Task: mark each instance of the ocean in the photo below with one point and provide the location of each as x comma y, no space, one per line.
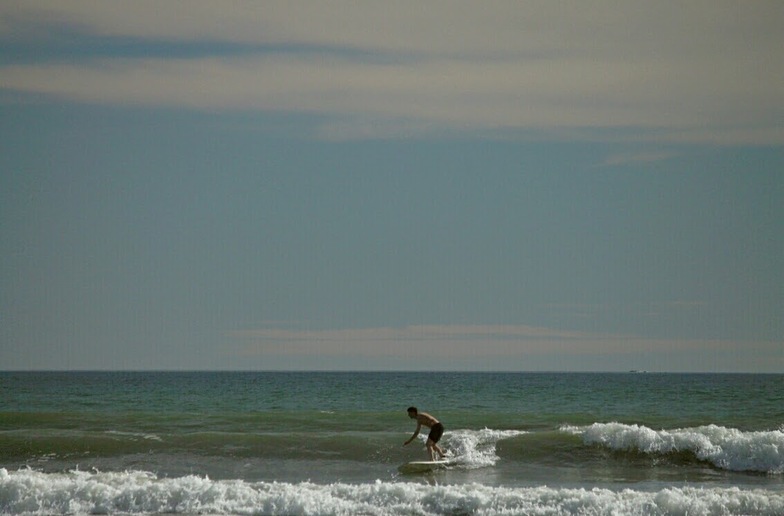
332,443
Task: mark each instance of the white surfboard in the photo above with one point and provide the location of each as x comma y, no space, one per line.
422,466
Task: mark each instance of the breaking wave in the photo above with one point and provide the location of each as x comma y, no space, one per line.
726,448
135,492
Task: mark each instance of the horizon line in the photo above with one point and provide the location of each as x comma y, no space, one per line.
397,371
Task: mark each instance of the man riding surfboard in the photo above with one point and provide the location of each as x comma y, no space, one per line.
436,430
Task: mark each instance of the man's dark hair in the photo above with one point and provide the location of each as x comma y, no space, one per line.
412,409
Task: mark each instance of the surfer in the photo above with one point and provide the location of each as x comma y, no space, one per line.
436,430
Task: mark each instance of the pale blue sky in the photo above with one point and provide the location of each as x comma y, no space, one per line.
494,186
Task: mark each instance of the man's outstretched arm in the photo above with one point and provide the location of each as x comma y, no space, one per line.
416,433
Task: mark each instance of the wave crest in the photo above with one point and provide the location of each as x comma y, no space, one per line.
726,448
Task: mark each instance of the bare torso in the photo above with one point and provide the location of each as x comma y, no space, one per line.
425,419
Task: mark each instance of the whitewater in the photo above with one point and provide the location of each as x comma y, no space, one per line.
29,492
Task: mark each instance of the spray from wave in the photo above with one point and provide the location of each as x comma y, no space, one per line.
472,449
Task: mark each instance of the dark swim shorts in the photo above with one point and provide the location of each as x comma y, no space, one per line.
436,432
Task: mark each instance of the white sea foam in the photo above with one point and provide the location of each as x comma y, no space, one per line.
472,449
134,436
30,492
726,448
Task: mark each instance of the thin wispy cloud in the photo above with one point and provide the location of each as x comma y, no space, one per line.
411,343
455,341
409,333
497,344
625,158
367,70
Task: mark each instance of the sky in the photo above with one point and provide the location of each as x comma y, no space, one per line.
438,185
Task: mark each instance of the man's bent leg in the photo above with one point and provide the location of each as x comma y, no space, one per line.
430,445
